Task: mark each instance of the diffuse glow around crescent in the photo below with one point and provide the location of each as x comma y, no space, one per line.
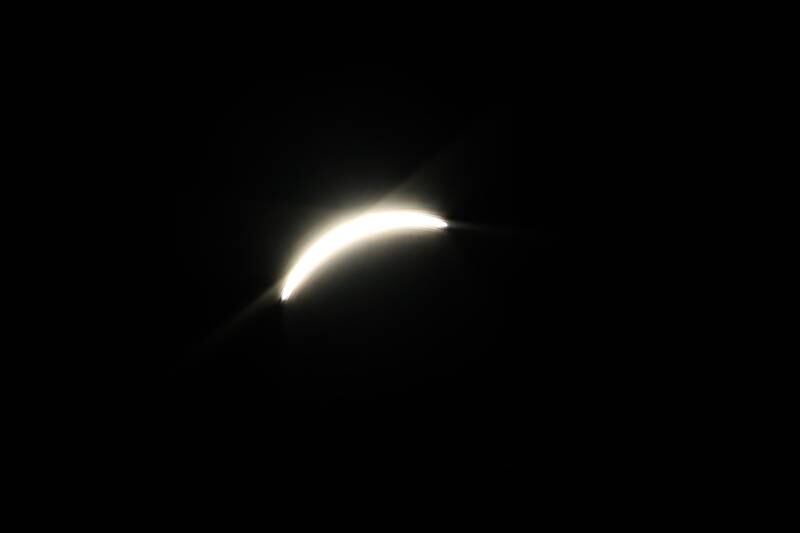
352,231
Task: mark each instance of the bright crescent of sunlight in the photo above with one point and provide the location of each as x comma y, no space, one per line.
354,230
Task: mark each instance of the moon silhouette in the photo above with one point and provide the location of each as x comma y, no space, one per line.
352,231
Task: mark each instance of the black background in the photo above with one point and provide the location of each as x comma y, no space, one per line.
563,335
525,334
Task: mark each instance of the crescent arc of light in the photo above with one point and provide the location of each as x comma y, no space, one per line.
350,232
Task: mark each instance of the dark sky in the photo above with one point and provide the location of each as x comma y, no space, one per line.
519,325
562,337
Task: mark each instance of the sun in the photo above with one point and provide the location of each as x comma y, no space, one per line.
352,231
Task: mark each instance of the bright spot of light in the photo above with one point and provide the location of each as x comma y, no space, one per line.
352,231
